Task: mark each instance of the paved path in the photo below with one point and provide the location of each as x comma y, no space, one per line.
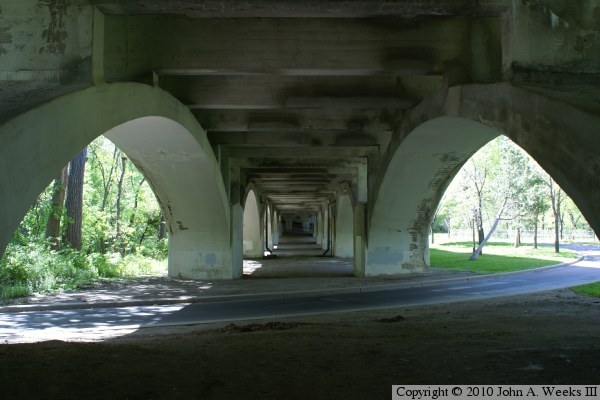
62,323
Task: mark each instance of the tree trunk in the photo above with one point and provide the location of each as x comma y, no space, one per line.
432,235
58,202
135,201
480,232
535,234
473,234
518,237
107,181
74,201
162,227
556,235
119,194
477,251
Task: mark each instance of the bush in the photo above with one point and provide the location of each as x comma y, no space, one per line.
41,270
35,268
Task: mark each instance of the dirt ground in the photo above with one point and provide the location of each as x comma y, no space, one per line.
545,338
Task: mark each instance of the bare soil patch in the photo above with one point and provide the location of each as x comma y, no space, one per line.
545,338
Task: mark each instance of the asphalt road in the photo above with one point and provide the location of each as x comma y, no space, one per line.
59,323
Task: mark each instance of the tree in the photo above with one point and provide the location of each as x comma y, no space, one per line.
56,207
162,227
119,195
511,178
477,175
556,198
74,201
107,177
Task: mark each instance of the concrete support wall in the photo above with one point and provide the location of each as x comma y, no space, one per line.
325,221
559,35
158,134
237,240
44,44
274,229
359,239
320,232
440,135
413,185
253,228
344,228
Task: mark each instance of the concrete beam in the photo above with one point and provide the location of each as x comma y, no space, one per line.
136,45
276,91
303,8
301,139
326,121
296,156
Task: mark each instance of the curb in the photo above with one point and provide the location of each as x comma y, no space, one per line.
268,295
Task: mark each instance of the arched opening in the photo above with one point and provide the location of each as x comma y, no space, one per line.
344,227
417,175
99,218
253,239
460,120
159,136
505,212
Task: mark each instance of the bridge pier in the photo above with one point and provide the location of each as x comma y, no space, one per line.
344,227
253,228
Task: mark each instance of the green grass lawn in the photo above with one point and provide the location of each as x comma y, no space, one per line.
591,289
497,257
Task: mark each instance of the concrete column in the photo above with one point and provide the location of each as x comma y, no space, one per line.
344,228
253,235
319,228
274,228
306,224
326,223
237,239
359,239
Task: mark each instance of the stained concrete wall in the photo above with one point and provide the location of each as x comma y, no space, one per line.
558,35
45,41
414,183
441,133
159,135
344,227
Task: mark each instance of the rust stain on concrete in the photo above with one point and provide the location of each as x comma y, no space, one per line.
56,33
5,38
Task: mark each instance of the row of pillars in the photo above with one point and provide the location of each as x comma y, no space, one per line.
338,228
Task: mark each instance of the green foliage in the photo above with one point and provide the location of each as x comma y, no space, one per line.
30,266
41,270
591,289
35,268
501,170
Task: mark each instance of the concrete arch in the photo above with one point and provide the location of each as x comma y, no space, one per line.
414,183
159,135
444,131
253,238
344,227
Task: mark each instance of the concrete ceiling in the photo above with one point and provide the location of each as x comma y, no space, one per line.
299,94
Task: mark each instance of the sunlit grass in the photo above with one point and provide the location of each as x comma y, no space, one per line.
497,257
590,289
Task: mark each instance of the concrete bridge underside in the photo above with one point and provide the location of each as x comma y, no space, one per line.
346,120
